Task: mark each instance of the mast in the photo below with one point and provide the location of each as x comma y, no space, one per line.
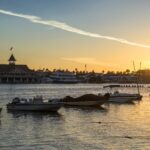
137,78
85,68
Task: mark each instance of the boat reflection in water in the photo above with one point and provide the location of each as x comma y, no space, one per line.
35,104
34,114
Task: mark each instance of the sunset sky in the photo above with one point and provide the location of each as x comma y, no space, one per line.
104,34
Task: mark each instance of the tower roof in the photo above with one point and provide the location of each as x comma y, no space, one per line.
12,58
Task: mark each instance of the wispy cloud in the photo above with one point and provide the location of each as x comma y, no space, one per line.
66,27
87,60
50,28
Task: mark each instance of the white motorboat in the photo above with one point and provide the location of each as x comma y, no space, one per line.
123,97
35,104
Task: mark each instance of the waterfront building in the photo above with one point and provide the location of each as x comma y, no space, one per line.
63,77
119,78
16,73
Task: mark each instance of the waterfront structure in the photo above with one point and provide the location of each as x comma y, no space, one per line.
16,73
119,78
63,77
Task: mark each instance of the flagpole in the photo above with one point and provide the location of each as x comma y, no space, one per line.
85,68
11,48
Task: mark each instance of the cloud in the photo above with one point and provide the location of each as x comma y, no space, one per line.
50,28
19,15
66,27
87,60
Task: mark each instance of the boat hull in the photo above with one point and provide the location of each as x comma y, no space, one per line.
137,97
120,99
34,107
84,103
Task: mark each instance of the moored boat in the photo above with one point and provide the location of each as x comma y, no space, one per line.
85,100
0,109
118,97
35,104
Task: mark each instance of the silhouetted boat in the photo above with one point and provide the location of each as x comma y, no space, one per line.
85,100
35,104
0,109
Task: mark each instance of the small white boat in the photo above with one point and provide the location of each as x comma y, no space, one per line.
35,104
118,97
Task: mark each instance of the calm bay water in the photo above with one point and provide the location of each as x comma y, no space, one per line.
122,126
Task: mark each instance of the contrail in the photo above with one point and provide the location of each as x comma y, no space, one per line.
66,27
